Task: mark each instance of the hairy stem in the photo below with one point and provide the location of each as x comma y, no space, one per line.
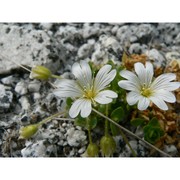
50,118
55,76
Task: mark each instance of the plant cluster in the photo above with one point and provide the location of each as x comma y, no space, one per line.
111,95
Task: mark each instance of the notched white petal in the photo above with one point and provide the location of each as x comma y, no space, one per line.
166,96
128,85
105,97
132,98
67,88
82,106
130,76
82,72
140,71
161,81
104,77
159,103
149,73
143,103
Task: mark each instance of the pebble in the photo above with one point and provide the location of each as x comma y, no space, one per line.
136,48
36,96
172,56
24,103
9,80
6,98
21,88
170,149
139,131
37,149
34,86
75,137
82,150
156,57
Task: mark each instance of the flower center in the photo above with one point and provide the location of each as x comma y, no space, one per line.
89,94
146,92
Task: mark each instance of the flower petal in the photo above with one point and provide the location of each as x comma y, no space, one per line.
105,97
104,77
131,77
159,102
132,98
166,95
67,88
149,74
83,73
143,103
80,105
163,80
128,85
140,71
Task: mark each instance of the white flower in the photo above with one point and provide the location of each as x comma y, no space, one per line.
86,89
145,90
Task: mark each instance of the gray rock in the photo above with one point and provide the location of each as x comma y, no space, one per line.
21,88
86,49
9,80
82,150
24,103
36,96
75,137
136,48
37,149
89,30
157,58
34,86
25,46
134,145
139,131
144,30
6,98
172,56
171,149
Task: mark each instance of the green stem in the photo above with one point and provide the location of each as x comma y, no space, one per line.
127,142
129,132
89,135
106,127
106,123
50,118
55,76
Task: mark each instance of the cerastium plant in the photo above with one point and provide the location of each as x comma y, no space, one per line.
96,98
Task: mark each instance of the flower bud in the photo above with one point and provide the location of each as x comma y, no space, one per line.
28,131
108,146
40,72
92,150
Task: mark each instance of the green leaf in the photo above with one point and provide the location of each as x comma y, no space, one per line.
138,122
79,121
154,122
69,102
118,114
88,123
114,129
152,134
91,123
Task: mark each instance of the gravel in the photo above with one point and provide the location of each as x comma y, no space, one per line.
25,101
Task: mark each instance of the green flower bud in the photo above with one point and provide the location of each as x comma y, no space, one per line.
108,146
92,150
28,131
40,72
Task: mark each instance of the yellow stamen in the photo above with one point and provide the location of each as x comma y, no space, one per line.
146,92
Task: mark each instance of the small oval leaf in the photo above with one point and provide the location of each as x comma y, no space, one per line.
118,114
